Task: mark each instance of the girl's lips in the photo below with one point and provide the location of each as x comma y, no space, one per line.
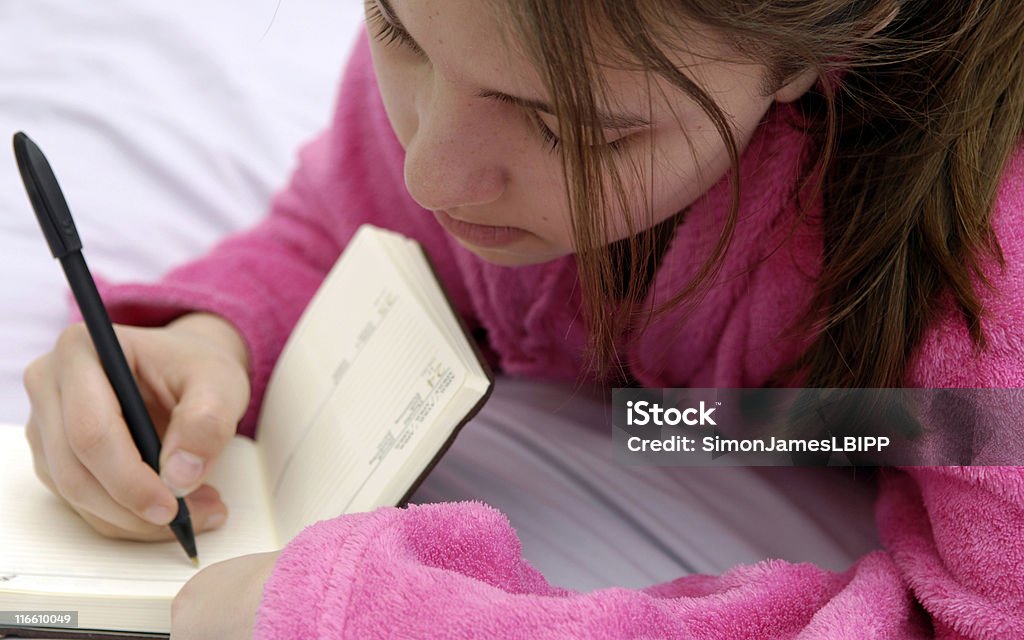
480,235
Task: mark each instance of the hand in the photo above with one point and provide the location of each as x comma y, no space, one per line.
193,377
220,602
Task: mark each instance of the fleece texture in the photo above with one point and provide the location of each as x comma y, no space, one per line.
952,563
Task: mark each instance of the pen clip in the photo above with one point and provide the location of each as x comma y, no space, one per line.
47,198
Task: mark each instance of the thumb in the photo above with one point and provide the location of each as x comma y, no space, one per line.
201,425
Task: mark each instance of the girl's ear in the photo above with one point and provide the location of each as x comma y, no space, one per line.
796,86
799,84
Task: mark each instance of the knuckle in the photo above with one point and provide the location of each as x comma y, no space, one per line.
72,337
33,435
205,421
86,438
36,377
229,369
138,496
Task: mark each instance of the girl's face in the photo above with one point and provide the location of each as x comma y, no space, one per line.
481,144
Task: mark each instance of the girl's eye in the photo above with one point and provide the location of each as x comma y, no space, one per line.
549,136
553,141
388,32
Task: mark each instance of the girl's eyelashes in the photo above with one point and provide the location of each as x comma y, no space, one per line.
549,136
553,141
387,32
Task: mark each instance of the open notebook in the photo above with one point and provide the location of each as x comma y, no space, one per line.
372,386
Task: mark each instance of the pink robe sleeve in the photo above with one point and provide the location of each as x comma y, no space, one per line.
952,567
455,571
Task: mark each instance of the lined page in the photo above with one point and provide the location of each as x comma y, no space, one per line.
45,546
411,262
363,374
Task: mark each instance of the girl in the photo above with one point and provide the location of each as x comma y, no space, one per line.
666,193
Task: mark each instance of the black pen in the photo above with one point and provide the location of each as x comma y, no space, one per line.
59,228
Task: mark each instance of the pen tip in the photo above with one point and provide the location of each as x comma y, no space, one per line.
195,561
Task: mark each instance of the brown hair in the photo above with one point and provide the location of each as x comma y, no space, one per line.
920,106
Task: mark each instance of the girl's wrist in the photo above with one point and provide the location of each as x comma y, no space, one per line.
217,330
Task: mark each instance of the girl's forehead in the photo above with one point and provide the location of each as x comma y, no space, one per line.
477,46
468,41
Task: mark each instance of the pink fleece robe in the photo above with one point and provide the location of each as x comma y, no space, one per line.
953,558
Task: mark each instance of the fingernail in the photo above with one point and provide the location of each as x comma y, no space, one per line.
204,493
215,521
182,472
158,514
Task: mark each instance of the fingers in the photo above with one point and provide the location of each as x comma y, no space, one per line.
92,460
83,451
206,511
101,442
85,495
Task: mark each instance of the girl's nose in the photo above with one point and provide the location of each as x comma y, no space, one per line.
454,158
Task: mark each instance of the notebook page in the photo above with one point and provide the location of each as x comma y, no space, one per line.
365,371
408,257
45,546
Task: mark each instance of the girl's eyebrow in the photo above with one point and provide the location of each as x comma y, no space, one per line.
605,120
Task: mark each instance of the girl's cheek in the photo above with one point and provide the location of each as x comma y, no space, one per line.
397,89
401,114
